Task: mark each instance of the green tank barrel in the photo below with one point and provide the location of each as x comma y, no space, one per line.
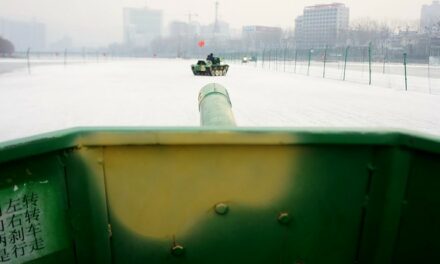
215,106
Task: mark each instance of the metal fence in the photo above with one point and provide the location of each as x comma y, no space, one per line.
396,69
30,58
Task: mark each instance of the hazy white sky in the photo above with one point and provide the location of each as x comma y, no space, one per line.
99,22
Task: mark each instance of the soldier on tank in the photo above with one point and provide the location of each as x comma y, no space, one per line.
210,57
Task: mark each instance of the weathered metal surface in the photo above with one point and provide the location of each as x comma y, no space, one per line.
217,196
215,106
33,219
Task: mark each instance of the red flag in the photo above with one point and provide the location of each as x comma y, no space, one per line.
201,43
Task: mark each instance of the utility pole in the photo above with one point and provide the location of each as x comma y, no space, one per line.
215,30
191,31
216,18
190,15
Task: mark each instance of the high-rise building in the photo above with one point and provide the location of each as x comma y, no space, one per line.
322,25
183,29
219,29
430,17
24,34
259,37
141,26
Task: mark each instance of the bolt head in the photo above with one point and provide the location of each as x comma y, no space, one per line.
284,218
221,208
371,167
177,250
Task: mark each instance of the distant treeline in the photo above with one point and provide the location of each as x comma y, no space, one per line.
6,47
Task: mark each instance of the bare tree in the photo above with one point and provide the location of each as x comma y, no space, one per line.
6,47
366,30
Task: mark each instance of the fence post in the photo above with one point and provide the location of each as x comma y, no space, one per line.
345,61
310,58
384,60
296,56
404,66
262,63
429,68
270,57
255,56
325,59
28,56
369,63
65,57
284,58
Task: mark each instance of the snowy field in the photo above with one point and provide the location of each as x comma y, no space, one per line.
161,92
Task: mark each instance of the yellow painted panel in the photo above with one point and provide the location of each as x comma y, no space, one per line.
160,191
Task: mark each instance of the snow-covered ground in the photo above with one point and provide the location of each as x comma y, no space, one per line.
161,92
420,77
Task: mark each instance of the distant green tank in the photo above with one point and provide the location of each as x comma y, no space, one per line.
212,67
247,59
